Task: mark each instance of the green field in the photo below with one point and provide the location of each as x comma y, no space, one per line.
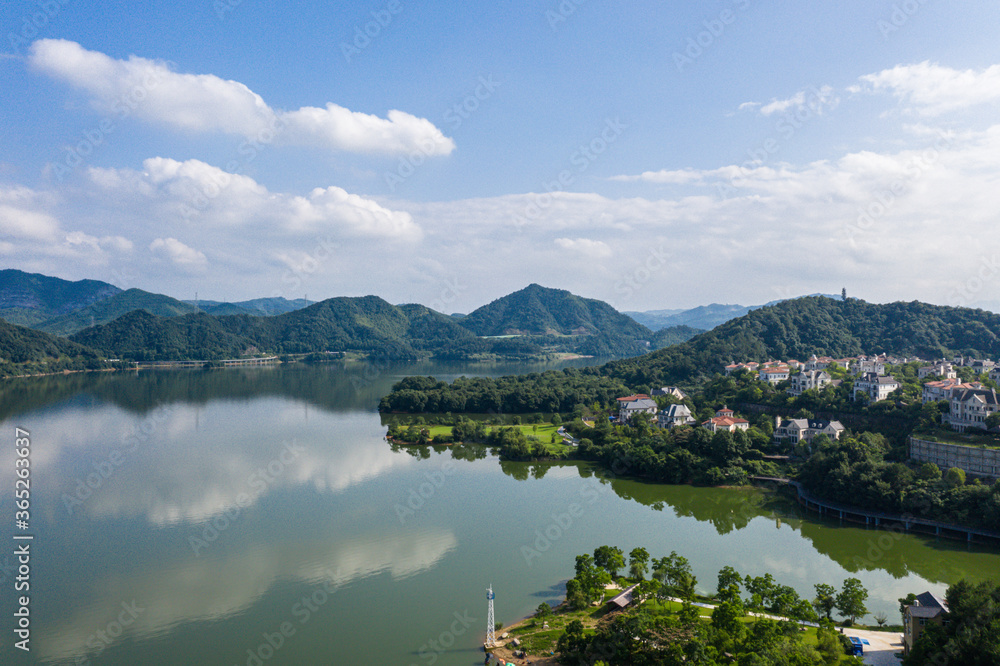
543,431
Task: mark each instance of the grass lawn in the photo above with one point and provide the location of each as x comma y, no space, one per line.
543,431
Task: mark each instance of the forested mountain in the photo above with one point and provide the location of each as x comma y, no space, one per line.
366,324
30,298
111,308
537,310
820,325
265,307
673,335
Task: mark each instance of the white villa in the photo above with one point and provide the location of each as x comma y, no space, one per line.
792,431
725,419
774,374
876,387
969,409
639,404
675,415
940,369
808,379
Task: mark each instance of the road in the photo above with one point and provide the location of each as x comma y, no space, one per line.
883,648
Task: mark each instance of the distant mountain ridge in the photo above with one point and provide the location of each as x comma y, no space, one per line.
705,317
263,307
109,309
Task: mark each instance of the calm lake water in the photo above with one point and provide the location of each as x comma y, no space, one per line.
258,516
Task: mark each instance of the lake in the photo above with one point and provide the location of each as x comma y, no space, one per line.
258,516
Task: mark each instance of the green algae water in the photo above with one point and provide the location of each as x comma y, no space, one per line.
257,516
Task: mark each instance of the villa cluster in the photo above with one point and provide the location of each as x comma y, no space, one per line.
970,402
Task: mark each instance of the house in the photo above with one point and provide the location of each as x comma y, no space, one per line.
725,419
675,415
927,608
939,369
970,407
628,409
671,391
995,374
983,367
774,374
808,379
866,364
625,597
818,363
793,431
844,363
876,387
944,389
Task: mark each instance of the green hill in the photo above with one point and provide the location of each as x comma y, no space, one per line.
366,324
537,310
27,351
30,298
112,308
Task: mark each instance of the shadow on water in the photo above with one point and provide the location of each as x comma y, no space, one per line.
338,386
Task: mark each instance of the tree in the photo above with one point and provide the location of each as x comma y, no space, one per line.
851,600
826,599
638,562
955,477
610,558
843,294
729,584
993,420
543,610
880,618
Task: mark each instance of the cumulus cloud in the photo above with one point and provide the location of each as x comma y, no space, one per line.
153,91
934,89
177,252
215,199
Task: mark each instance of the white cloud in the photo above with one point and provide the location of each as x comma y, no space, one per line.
585,246
814,99
934,89
153,91
177,252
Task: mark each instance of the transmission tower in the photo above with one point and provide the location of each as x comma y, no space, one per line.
491,638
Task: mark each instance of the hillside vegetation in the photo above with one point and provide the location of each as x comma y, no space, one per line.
31,298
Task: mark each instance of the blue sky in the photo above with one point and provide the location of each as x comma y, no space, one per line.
730,151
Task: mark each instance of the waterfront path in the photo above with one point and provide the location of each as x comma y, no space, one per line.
879,518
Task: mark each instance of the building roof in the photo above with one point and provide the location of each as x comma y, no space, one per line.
625,597
725,421
675,411
641,404
634,396
986,396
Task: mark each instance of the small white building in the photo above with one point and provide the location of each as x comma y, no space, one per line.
774,374
876,387
938,369
626,410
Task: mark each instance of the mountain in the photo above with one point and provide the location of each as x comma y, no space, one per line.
113,307
705,317
31,298
366,324
258,306
537,310
822,326
674,335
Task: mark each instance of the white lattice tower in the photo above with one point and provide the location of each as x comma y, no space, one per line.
491,638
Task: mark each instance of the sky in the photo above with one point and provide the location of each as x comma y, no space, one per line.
655,155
